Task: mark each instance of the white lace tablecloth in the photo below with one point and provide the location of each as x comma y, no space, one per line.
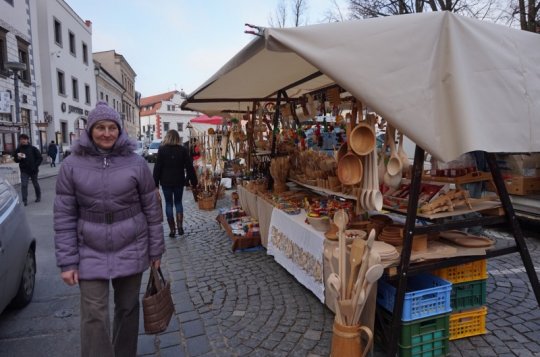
298,248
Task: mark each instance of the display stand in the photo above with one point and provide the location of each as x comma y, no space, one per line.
405,269
238,242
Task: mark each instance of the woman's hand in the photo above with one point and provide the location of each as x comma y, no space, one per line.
156,263
70,277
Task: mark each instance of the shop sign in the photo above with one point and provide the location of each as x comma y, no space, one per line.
63,107
5,102
9,128
73,109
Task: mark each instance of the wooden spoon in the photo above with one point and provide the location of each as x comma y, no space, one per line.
341,219
355,258
334,285
372,275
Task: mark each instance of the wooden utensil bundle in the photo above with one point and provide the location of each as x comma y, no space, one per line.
365,269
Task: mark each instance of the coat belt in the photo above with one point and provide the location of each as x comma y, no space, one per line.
110,217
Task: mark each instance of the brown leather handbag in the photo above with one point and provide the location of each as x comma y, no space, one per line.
158,306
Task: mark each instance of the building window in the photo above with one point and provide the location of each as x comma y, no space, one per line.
165,127
87,94
180,126
58,32
10,2
85,53
61,82
75,88
25,116
64,129
72,46
24,58
107,98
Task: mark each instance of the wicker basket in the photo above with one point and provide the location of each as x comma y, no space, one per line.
206,203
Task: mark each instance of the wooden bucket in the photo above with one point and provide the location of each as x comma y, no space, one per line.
347,342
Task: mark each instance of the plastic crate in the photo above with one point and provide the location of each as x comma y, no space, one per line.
468,295
426,337
476,270
426,295
468,323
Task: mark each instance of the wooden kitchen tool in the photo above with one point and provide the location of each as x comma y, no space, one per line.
355,258
350,167
465,240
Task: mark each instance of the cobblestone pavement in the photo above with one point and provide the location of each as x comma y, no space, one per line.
245,304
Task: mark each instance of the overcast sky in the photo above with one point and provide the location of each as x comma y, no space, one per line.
179,44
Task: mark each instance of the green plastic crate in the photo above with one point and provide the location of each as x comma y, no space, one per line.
427,337
468,295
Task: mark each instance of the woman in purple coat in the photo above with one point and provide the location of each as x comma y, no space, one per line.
107,222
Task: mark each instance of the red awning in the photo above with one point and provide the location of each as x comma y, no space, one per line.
205,119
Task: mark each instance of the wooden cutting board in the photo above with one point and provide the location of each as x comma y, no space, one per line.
465,240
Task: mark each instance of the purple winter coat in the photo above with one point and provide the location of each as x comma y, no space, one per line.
90,184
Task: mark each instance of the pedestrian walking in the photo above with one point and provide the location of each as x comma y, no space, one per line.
29,158
52,151
107,222
172,164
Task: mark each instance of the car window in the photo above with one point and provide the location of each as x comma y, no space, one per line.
7,195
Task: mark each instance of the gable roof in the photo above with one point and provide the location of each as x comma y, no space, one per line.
155,102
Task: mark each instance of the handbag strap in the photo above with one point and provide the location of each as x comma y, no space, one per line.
155,280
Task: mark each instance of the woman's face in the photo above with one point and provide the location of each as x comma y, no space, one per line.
104,134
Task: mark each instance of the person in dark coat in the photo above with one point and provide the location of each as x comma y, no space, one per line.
29,158
52,151
172,164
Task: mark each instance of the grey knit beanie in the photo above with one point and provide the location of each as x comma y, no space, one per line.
102,111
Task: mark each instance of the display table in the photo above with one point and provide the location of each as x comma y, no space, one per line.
298,248
258,208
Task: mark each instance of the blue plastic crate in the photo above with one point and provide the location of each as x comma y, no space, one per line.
426,295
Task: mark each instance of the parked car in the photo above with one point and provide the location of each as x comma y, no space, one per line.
140,148
151,153
17,251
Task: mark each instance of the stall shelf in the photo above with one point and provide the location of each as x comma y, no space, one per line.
405,269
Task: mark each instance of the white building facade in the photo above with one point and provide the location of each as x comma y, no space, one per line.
66,78
16,30
118,67
161,112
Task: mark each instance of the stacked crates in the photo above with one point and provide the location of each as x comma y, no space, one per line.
425,319
468,298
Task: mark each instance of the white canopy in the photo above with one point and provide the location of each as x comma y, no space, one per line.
452,84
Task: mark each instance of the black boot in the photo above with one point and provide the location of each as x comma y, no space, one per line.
171,227
179,223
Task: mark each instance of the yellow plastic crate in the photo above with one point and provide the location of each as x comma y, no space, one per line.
462,273
468,323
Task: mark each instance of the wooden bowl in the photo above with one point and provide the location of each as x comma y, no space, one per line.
321,224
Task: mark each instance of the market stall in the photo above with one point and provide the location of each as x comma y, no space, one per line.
447,82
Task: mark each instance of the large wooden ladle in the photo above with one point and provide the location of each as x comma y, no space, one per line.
349,168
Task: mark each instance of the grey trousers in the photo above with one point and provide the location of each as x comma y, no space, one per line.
95,321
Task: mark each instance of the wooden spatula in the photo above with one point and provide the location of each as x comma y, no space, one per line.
355,259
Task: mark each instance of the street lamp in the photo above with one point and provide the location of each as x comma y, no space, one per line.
15,68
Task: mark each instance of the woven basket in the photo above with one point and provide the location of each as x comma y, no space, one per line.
206,203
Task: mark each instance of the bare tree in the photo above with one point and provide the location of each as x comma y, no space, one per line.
529,15
298,9
360,9
280,17
334,13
